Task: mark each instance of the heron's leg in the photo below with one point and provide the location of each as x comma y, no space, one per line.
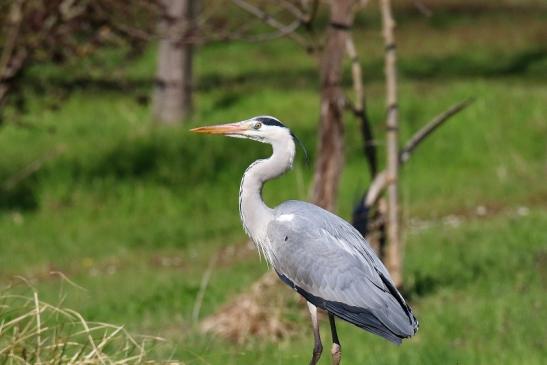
317,346
336,350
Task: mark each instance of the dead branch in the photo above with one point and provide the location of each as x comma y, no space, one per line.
380,181
376,188
294,10
359,107
271,21
430,127
356,73
422,8
287,30
126,29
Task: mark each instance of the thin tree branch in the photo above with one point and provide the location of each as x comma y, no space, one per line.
356,72
132,32
271,21
422,134
70,9
422,8
359,107
294,10
376,188
287,30
379,183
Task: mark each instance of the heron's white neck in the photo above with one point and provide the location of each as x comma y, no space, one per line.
255,214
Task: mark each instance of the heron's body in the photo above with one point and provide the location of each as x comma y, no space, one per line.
315,252
335,269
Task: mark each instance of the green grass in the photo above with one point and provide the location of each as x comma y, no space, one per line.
133,213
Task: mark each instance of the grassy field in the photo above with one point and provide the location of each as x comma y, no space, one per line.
133,213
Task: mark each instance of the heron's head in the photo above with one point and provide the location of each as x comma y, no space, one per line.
263,129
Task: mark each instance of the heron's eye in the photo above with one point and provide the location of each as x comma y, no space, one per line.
257,125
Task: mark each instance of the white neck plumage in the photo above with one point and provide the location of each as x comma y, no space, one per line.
255,214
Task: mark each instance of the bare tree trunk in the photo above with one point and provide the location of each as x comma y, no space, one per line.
393,250
172,100
330,149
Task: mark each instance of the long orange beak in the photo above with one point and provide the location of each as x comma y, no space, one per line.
231,128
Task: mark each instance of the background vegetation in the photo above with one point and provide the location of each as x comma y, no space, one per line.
133,213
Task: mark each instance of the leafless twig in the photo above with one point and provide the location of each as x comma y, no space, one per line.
422,8
376,188
359,107
294,10
271,21
420,135
380,181
285,31
126,29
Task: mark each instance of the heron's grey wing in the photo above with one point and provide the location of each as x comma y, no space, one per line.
327,261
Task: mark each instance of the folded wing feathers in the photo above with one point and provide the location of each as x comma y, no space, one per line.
356,288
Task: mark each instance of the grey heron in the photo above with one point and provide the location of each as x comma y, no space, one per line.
316,253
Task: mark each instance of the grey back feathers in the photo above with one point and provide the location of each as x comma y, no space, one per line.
326,260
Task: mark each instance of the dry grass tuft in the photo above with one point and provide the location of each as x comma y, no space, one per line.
257,313
35,332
